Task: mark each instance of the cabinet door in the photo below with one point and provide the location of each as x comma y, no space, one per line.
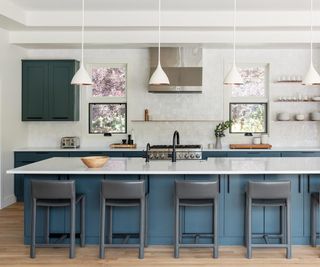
112,154
234,217
272,214
63,97
300,154
214,154
34,90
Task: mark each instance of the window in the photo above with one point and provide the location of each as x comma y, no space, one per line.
248,103
107,118
108,99
248,117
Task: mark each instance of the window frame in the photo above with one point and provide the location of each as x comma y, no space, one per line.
109,103
266,104
228,98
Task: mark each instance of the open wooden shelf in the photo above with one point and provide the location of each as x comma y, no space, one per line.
297,121
296,81
297,101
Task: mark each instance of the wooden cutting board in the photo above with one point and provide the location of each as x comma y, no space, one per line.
123,146
250,146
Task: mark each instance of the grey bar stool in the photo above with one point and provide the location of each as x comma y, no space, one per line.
315,200
122,194
196,194
51,194
269,194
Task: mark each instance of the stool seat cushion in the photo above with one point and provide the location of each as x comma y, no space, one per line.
196,202
122,202
269,202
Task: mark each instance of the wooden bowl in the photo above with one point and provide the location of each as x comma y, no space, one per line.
95,161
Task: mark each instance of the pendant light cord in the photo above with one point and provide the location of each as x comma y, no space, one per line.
234,31
159,31
311,30
82,32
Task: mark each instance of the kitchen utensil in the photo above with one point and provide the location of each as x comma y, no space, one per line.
95,161
299,117
256,140
250,146
283,116
70,142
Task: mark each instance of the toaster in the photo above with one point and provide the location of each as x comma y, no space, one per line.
70,142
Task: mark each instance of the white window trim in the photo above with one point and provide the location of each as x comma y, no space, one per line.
229,99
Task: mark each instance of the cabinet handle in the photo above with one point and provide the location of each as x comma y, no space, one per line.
34,118
219,182
228,184
299,186
59,118
308,183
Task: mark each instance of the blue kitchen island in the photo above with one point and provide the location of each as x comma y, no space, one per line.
232,173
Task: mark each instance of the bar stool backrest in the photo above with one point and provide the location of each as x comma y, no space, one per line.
49,189
269,189
111,189
196,189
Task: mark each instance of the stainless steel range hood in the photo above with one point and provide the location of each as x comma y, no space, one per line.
183,66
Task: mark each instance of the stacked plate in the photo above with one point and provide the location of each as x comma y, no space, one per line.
283,116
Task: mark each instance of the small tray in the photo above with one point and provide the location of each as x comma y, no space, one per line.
250,146
133,146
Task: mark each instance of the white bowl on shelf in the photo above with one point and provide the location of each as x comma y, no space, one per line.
315,116
316,98
300,117
283,116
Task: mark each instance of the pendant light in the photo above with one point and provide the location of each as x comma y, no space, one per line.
234,76
312,77
82,77
159,77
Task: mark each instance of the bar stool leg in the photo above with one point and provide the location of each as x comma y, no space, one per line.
142,228
102,227
47,240
72,229
177,228
314,216
110,225
249,230
33,228
82,221
288,220
146,223
283,224
216,232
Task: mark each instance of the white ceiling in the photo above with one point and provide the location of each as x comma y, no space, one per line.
167,4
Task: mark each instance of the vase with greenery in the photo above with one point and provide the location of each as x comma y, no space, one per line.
219,132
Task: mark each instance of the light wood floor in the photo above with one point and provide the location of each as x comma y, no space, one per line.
14,253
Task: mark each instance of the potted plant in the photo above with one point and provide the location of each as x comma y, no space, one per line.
219,132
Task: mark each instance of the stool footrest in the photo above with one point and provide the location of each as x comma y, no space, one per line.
62,235
52,245
270,245
121,245
196,245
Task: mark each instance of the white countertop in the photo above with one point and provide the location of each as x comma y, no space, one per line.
103,148
305,165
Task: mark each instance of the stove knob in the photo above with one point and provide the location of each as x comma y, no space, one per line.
162,156
180,156
192,156
151,156
198,156
157,156
186,156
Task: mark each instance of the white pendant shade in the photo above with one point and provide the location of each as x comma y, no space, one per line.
159,77
81,77
312,77
233,77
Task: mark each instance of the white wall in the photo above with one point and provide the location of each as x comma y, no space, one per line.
13,131
209,105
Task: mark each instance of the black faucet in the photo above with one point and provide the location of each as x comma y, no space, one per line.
174,142
147,152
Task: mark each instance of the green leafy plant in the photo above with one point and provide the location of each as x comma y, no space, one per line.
221,127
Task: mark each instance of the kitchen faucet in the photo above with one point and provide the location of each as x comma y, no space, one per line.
175,140
147,152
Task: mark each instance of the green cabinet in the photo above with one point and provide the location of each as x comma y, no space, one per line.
47,93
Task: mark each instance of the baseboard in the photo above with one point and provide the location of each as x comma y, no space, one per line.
9,200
